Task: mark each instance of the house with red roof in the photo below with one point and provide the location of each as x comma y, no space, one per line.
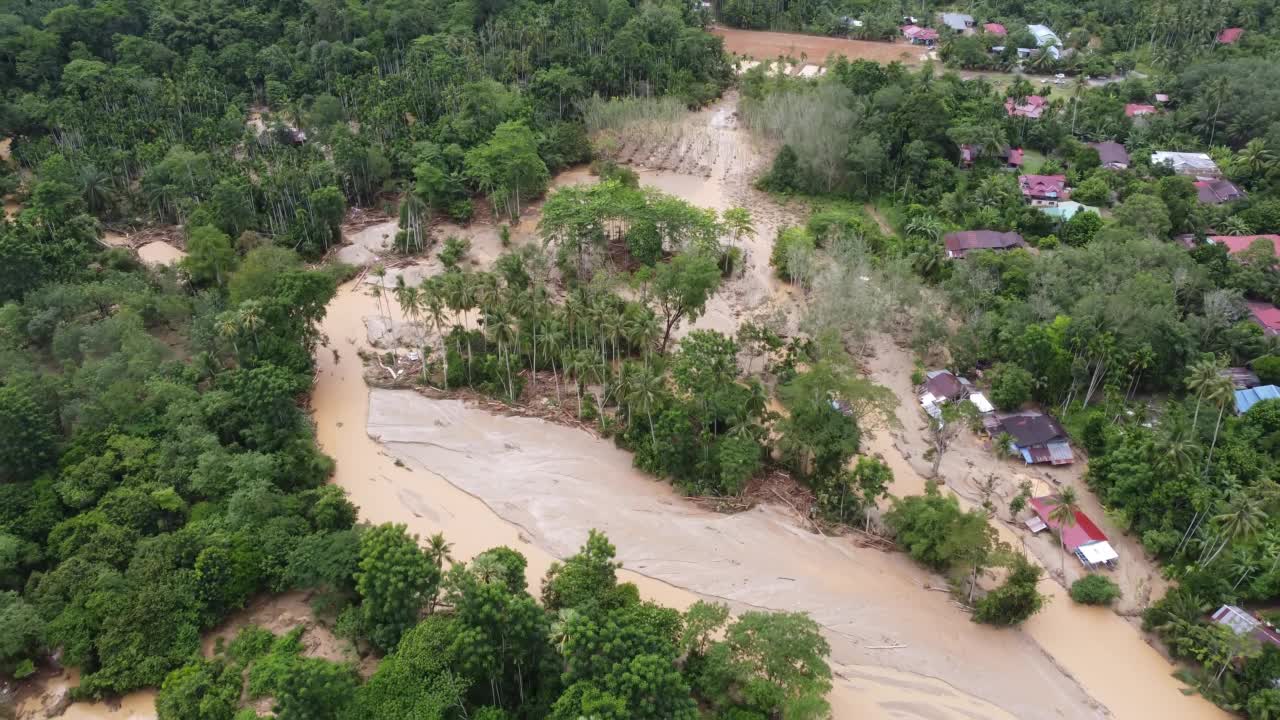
1239,243
917,35
958,244
1216,191
1266,315
1032,106
1082,538
1136,110
1230,35
1013,158
995,29
1043,189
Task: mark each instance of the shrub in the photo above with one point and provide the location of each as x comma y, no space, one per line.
1268,369
1015,600
1010,386
790,251
1095,590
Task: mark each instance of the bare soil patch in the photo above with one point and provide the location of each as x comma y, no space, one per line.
761,45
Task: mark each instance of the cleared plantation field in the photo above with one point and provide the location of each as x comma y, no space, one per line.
765,45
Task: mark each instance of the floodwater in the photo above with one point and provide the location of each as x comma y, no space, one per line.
1100,649
552,482
159,252
546,485
134,706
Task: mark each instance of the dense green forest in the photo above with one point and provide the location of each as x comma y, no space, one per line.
591,648
157,469
140,111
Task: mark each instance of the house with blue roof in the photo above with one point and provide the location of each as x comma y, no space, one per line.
1249,397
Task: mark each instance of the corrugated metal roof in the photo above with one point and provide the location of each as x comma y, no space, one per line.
1249,397
1082,532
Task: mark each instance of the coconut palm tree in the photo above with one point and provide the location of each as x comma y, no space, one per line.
379,291
432,304
228,326
501,328
1222,391
553,341
1256,158
1174,448
249,317
645,390
1066,505
1242,516
438,550
1244,562
1199,380
415,223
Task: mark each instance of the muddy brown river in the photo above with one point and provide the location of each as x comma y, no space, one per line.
898,650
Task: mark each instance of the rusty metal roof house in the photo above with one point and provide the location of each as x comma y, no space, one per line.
1032,106
959,244
1241,377
1111,154
1217,191
1242,623
1035,436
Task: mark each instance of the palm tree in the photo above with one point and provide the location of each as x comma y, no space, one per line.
432,303
1077,91
645,389
438,550
553,341
501,328
379,291
1201,377
1139,362
1242,517
249,317
1174,448
1223,392
1064,513
1244,563
1256,158
1219,91
95,188
229,328
415,223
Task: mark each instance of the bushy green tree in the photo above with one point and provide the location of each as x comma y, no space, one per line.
395,582
1095,590
1011,386
1016,599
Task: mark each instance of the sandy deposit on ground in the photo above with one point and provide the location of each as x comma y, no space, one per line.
760,45
1105,652
553,481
